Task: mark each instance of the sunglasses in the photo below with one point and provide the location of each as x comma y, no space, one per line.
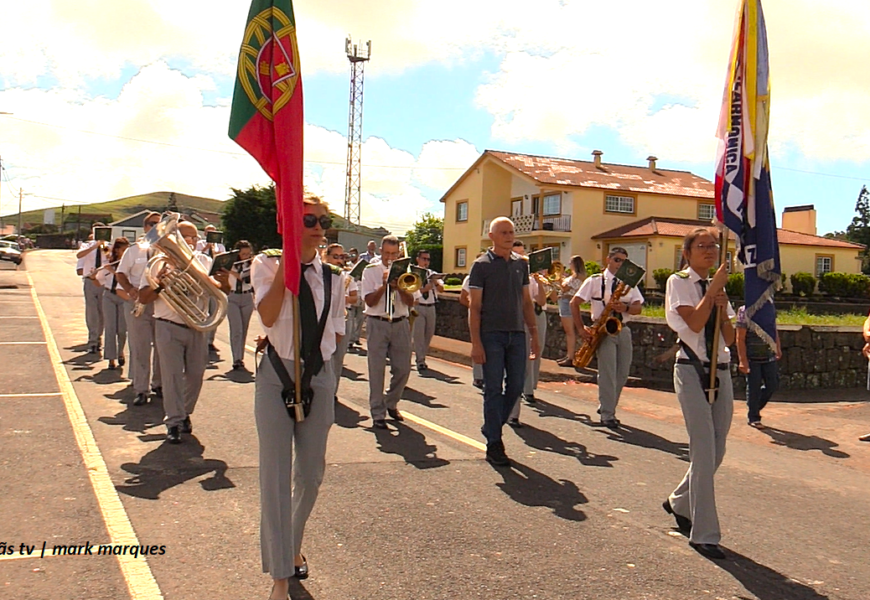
151,223
310,221
338,256
618,260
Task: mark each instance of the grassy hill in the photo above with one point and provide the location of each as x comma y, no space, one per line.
124,207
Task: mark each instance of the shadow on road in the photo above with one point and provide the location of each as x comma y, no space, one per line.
765,583
83,362
799,441
169,465
352,375
137,418
528,487
298,591
104,376
431,373
410,444
545,409
638,437
548,442
420,398
347,417
234,375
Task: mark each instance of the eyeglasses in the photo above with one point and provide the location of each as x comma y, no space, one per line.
338,256
706,247
618,260
424,258
151,223
310,221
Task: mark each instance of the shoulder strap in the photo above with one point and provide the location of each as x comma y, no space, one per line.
314,363
695,360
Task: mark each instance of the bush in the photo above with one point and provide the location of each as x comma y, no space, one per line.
802,284
453,281
734,287
844,285
661,277
592,268
783,280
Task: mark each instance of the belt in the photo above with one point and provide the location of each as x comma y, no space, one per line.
394,320
430,304
245,292
171,322
720,366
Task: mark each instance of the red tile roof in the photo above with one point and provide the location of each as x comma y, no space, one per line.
581,173
678,228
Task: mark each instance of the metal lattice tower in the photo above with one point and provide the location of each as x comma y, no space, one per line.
358,57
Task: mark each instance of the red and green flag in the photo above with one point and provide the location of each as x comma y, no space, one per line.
266,118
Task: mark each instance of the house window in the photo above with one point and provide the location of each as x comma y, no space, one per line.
552,204
824,264
130,234
678,258
460,257
461,211
557,252
619,204
517,207
706,212
728,262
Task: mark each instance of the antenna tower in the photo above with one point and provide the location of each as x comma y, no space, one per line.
358,56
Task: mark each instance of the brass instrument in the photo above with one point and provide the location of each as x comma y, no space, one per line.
187,288
605,325
409,282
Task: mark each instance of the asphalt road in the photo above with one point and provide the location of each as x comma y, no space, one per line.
413,513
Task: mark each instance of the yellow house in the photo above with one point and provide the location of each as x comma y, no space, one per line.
585,207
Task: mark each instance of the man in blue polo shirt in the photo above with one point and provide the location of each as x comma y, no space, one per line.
500,306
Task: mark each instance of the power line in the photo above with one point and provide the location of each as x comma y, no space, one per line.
823,174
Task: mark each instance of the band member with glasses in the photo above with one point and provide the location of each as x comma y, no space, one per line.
615,352
691,302
114,308
183,351
240,301
388,334
424,324
500,306
293,454
91,257
140,329
334,255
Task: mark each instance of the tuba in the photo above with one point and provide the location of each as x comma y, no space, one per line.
187,288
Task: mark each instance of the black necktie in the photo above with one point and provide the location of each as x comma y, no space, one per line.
114,283
710,326
239,279
425,295
98,261
307,314
613,284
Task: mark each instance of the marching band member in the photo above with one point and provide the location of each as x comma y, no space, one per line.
240,301
569,286
140,328
388,334
290,451
91,257
690,303
334,255
500,304
615,352
424,324
114,308
183,354
211,250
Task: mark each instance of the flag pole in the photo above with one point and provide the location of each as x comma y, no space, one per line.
714,367
297,355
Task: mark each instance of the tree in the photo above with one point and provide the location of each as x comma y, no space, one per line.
859,230
427,234
252,215
172,204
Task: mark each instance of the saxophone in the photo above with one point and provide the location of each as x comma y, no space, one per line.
605,325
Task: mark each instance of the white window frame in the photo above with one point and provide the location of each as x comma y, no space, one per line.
558,197
516,207
820,269
460,217
706,207
619,204
461,255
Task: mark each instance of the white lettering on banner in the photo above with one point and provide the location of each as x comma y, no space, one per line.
750,252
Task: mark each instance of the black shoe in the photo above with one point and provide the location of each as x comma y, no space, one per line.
186,426
684,524
495,455
478,383
158,392
173,436
140,399
611,423
301,572
529,398
122,361
422,367
515,423
380,424
395,415
709,550
111,365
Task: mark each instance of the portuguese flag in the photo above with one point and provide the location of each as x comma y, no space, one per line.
266,118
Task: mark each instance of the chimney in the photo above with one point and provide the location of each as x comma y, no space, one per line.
652,162
597,158
800,218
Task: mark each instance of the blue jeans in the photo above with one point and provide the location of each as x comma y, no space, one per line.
504,374
761,382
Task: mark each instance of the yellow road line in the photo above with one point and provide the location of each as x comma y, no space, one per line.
444,431
136,572
48,395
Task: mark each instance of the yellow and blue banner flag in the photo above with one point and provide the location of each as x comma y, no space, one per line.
744,195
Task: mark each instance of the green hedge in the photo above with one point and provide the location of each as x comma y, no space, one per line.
453,281
592,268
845,285
734,287
802,284
661,277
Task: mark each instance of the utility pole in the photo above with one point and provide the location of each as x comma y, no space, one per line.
358,57
20,198
62,212
1,197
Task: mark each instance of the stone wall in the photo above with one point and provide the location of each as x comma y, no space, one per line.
813,356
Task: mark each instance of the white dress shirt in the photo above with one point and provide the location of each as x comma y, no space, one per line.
686,291
133,263
104,278
218,248
372,280
590,291
88,262
162,310
263,271
433,293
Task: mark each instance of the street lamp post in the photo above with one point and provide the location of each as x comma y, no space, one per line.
1,177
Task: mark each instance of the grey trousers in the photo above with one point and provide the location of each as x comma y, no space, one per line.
384,340
355,316
614,363
533,367
183,358
115,318
93,310
424,330
337,359
708,427
289,483
210,335
144,364
240,307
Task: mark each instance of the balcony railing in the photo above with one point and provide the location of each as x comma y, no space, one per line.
527,224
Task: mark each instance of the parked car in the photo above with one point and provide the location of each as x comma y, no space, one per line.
10,251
